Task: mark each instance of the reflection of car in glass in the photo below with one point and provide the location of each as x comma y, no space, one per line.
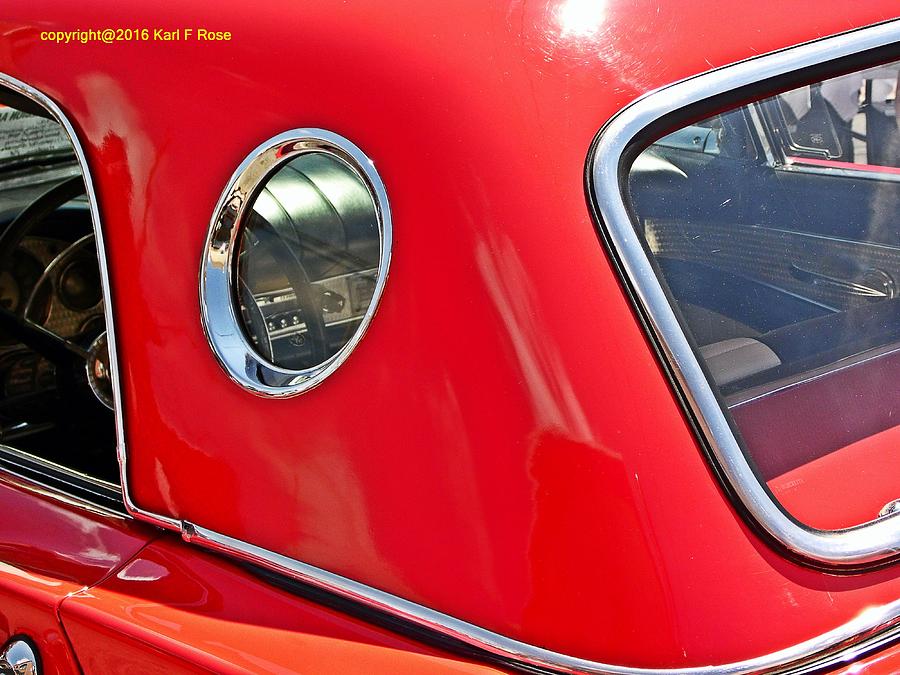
349,383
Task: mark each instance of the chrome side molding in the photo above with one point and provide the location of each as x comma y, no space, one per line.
872,629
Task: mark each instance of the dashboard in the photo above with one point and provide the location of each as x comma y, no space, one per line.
343,299
55,284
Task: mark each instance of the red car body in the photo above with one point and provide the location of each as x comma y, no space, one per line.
503,447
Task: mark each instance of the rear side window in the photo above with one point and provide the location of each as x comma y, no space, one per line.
767,260
778,241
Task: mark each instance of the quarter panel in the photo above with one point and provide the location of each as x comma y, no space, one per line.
174,609
49,550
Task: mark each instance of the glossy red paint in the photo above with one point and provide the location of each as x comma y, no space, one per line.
173,609
502,445
51,549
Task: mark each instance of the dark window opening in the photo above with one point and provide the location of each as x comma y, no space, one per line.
56,402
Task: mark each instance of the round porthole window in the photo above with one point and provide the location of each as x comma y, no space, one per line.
295,261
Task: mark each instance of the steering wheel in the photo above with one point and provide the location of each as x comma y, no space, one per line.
272,243
75,364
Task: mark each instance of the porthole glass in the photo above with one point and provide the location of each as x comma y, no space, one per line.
295,262
307,261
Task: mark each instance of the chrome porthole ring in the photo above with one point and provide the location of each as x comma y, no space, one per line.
319,198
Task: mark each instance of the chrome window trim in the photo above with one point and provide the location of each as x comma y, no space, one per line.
872,629
221,321
852,547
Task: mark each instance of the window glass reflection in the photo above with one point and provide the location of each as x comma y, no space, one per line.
774,229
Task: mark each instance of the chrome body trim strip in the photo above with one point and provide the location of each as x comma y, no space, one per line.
850,547
15,455
221,322
871,630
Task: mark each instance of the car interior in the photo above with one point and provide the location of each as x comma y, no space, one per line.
773,230
56,400
308,261
783,270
